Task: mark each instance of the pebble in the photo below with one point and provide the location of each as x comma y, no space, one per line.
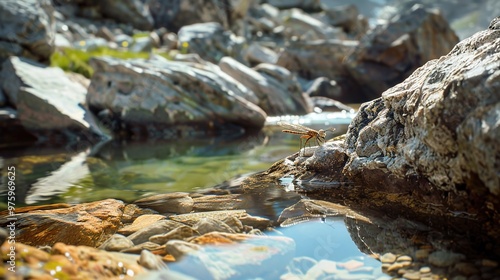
411,275
444,258
234,223
388,258
140,223
137,249
489,263
404,259
422,254
179,248
116,243
179,233
160,227
206,225
425,269
151,261
398,265
466,268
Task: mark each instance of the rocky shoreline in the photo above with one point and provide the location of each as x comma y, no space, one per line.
415,178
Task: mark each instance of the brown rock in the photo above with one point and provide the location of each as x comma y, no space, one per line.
132,212
140,223
178,202
91,263
217,202
160,227
179,248
84,224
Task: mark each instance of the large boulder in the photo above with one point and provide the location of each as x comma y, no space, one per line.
391,52
159,98
47,101
27,29
278,92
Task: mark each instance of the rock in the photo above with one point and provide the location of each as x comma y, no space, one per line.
388,258
87,224
132,212
420,137
348,18
234,223
179,233
28,29
390,53
255,221
256,53
278,94
322,58
116,242
177,202
206,225
192,218
171,108
149,246
90,263
179,248
175,14
217,202
210,41
305,27
445,258
132,12
308,5
47,101
323,87
140,223
151,261
160,227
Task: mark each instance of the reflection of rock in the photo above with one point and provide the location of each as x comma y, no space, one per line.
390,53
60,180
47,101
84,224
165,99
28,29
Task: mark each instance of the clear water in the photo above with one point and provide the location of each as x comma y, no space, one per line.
128,171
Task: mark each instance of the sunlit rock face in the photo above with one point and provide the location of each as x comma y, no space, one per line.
437,133
162,99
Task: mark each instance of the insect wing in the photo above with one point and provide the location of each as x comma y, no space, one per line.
295,127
